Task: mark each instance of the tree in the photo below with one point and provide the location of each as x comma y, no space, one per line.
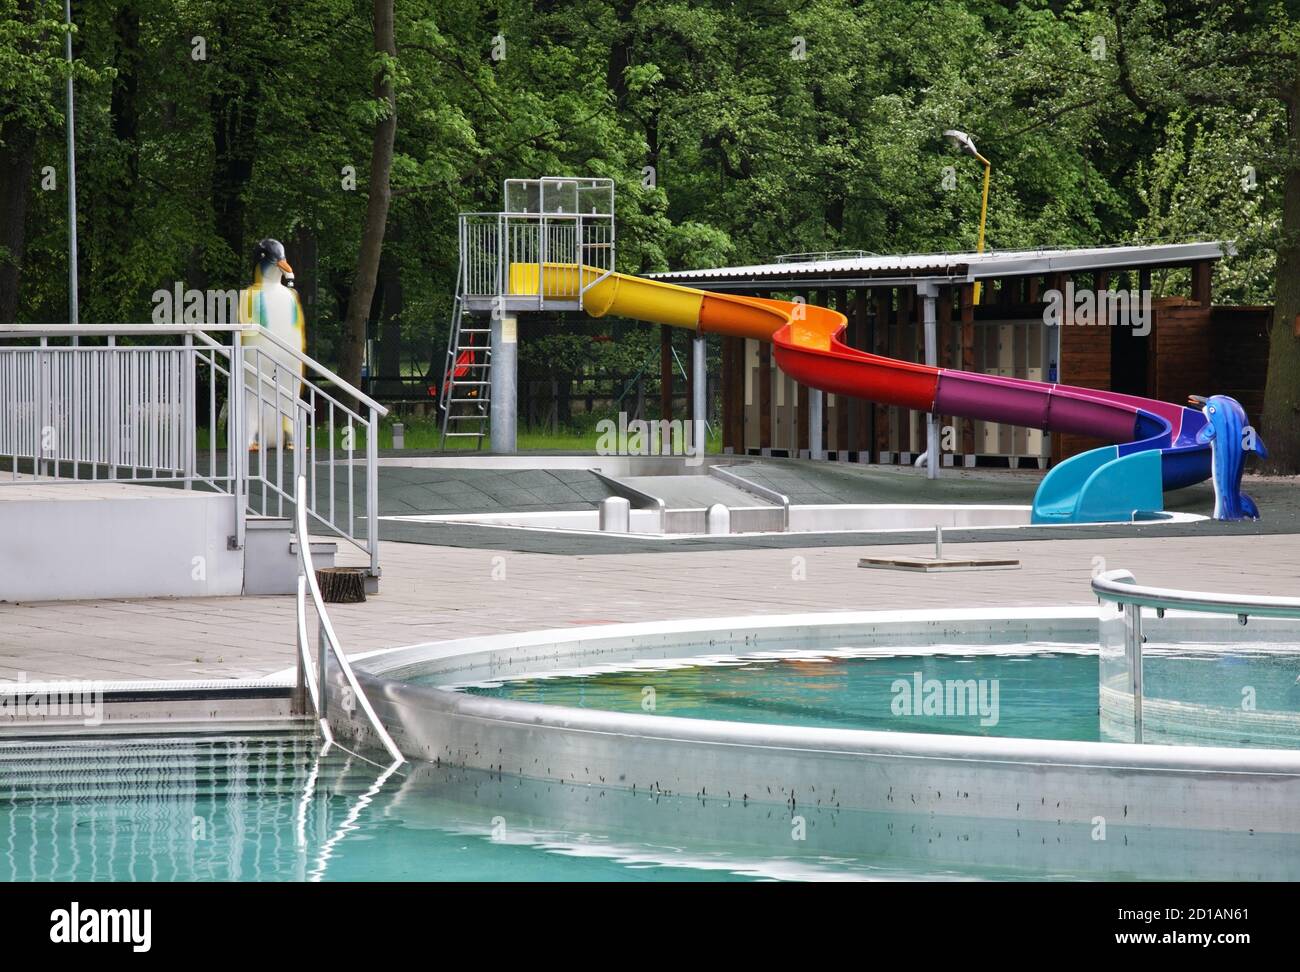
1234,60
378,198
30,64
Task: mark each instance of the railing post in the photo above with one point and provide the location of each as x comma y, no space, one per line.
298,700
322,662
235,442
1133,649
372,491
189,412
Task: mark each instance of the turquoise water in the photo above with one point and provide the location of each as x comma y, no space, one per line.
274,807
1043,694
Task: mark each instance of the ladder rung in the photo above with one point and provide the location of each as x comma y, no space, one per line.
467,418
460,382
464,435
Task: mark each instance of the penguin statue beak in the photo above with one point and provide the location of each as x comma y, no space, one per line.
287,279
284,265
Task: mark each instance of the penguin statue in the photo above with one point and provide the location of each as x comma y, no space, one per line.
272,304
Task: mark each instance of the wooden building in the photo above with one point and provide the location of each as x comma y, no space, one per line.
1175,346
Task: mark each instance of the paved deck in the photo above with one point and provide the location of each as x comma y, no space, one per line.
434,592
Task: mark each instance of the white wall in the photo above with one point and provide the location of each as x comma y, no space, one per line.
68,548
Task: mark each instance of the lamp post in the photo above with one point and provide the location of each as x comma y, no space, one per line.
967,145
73,308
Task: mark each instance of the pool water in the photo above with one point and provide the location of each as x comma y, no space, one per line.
277,807
1032,691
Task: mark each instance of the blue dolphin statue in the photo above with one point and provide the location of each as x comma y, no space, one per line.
1230,438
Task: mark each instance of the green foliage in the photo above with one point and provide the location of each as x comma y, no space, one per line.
734,132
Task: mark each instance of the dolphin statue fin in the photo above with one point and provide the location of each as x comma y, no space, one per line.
1257,445
1248,507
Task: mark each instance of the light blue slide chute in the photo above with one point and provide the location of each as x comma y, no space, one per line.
1101,486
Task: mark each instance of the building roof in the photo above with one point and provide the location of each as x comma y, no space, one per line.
807,270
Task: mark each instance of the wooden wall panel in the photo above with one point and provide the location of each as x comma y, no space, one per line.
1180,362
1239,355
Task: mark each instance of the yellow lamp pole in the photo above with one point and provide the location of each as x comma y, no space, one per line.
967,145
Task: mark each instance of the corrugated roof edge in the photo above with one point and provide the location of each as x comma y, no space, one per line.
968,266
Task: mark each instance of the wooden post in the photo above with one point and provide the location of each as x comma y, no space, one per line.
727,382
1201,276
880,413
842,404
860,434
801,392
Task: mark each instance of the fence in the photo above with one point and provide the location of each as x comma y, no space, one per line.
153,410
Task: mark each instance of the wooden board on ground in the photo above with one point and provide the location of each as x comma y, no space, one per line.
931,565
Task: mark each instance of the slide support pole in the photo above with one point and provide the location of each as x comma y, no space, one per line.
699,389
504,382
928,292
816,399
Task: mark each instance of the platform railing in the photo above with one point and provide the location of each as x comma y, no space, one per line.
327,643
1127,598
77,404
560,245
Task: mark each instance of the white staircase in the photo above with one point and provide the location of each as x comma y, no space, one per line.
125,469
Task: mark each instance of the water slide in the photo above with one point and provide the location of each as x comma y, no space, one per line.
1153,448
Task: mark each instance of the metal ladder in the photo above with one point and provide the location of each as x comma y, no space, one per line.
466,400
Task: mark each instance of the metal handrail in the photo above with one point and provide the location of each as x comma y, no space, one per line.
298,355
754,489
326,637
1121,587
180,330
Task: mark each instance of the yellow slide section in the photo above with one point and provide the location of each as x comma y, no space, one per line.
805,336
811,327
617,294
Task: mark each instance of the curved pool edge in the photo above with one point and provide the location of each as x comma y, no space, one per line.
1193,787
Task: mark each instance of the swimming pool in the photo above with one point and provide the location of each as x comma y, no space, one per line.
1032,691
1195,691
273,807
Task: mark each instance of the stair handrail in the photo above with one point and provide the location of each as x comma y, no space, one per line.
327,638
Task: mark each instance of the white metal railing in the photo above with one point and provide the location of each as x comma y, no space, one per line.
150,411
327,643
1120,589
558,244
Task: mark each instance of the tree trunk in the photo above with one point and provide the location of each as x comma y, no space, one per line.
390,332
372,238
234,140
17,167
1280,425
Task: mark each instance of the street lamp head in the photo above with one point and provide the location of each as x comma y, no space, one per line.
962,141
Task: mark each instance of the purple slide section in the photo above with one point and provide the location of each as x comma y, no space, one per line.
1039,405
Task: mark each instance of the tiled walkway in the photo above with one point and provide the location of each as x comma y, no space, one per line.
431,593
